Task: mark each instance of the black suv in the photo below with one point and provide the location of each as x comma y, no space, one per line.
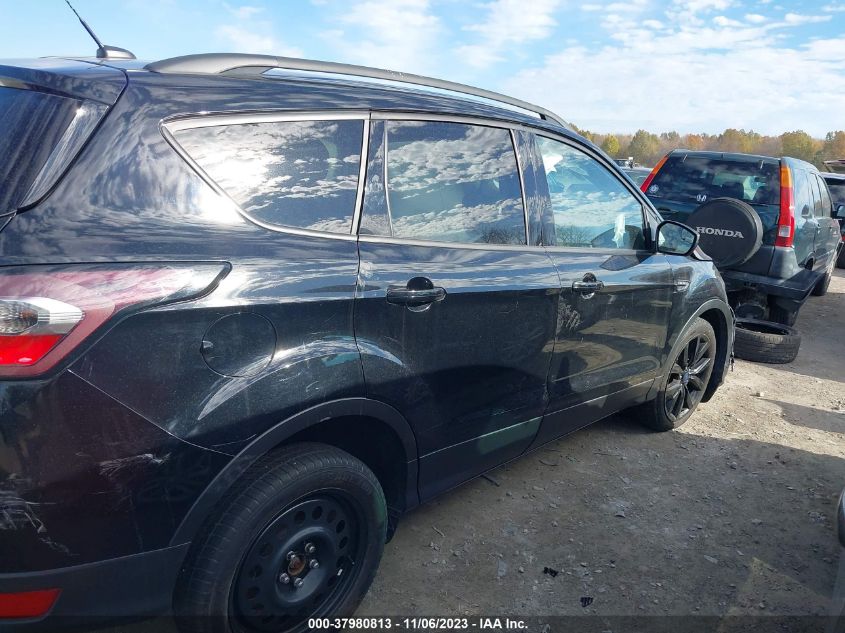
836,186
251,316
767,222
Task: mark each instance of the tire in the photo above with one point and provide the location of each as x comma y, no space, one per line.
765,341
310,500
820,289
679,396
840,260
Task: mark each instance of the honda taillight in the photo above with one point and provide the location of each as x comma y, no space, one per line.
46,311
653,173
786,217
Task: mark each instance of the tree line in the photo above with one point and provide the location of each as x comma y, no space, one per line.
647,148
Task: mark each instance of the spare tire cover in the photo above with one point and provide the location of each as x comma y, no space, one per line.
729,230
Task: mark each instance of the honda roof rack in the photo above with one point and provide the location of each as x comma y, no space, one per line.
243,64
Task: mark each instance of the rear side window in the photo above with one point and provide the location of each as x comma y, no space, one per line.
452,182
803,193
826,207
31,124
300,174
591,207
837,191
696,179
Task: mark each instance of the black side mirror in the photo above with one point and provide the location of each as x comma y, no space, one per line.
674,238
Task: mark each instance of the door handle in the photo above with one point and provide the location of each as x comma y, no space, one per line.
588,286
419,291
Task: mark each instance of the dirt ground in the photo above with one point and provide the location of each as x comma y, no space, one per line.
733,514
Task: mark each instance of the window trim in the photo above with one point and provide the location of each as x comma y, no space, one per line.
169,126
460,120
637,194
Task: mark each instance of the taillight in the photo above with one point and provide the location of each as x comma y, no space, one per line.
786,217
47,311
653,173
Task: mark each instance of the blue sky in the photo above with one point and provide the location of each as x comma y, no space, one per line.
685,65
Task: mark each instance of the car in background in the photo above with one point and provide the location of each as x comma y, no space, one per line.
836,186
767,223
836,166
637,174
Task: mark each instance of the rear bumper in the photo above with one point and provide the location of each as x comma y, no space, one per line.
125,588
796,288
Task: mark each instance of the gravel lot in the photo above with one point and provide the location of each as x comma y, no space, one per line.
730,515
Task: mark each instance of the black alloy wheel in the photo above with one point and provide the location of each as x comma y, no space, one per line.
688,378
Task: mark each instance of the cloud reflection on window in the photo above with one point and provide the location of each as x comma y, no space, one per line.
591,207
301,174
454,182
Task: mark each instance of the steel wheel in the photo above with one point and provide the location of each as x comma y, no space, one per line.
301,565
688,378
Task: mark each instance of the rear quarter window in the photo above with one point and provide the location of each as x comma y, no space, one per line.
31,124
297,174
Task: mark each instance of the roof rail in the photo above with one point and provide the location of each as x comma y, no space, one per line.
243,64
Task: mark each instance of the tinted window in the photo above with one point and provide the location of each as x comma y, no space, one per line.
837,191
825,207
453,182
697,178
591,207
301,174
31,124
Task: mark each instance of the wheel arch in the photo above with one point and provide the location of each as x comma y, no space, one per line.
348,424
720,316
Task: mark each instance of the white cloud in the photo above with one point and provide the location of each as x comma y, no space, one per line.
506,25
695,75
796,18
244,12
398,34
755,18
244,40
834,8
721,20
246,34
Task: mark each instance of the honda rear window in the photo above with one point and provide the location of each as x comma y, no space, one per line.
697,179
31,124
300,174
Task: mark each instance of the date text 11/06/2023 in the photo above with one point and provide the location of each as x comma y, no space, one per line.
422,624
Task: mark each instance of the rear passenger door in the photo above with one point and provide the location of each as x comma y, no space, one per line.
616,296
828,231
806,223
455,311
